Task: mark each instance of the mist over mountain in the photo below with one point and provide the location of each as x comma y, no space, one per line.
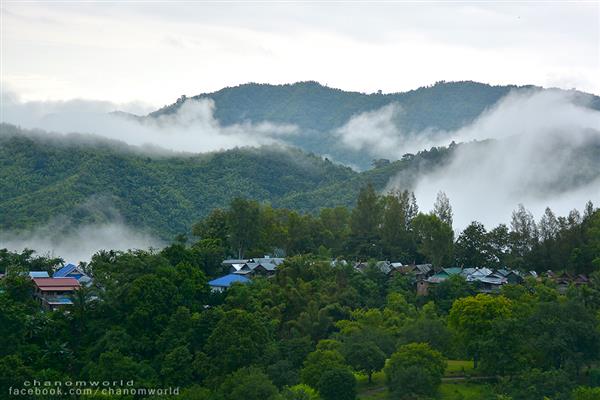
334,122
93,180
488,147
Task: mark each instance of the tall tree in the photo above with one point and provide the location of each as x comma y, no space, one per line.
434,239
365,221
524,233
243,222
472,246
442,208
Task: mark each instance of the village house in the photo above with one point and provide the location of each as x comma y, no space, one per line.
386,267
73,271
53,293
223,283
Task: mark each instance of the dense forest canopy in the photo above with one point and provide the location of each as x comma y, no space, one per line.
89,180
85,179
319,329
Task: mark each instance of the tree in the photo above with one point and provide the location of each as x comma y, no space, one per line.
442,208
337,384
434,239
317,362
548,226
364,223
238,340
364,356
248,383
473,317
446,292
499,243
395,237
472,248
524,233
242,215
177,367
414,370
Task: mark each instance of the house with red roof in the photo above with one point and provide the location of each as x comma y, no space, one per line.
55,292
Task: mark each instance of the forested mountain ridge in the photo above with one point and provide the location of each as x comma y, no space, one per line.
312,106
90,180
319,111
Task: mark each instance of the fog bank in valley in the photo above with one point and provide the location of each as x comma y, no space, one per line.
79,243
545,152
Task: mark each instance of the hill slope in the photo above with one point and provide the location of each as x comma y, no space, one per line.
45,176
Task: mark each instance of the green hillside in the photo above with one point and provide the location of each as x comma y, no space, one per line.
92,180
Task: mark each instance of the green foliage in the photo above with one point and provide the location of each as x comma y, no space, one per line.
586,393
434,239
239,339
248,383
317,362
474,320
537,384
300,392
337,384
414,370
45,176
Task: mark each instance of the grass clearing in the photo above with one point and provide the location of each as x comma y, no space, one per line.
459,368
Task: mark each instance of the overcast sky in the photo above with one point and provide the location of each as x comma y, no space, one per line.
156,51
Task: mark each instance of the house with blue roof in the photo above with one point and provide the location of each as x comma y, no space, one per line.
72,271
224,282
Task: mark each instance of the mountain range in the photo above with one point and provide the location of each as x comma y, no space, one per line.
51,178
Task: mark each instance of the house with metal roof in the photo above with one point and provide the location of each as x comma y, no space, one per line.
224,282
72,271
55,292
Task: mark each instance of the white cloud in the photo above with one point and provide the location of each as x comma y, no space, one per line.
156,53
79,244
193,128
535,160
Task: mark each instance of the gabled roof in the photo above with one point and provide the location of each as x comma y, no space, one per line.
250,266
227,280
423,268
64,271
384,266
268,266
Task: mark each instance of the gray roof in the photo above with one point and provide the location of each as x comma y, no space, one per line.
234,261
384,266
270,260
423,268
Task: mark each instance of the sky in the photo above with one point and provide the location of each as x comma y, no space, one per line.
142,54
